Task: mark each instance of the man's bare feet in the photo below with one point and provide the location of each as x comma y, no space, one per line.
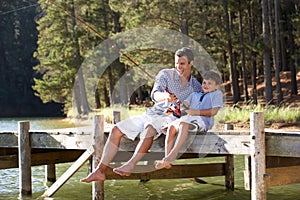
95,176
124,170
163,164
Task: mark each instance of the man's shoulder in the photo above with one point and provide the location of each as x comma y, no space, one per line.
168,70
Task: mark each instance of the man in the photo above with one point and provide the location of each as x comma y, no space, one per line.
171,85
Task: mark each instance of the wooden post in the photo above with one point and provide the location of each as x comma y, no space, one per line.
247,172
98,143
25,188
229,166
50,175
258,156
116,116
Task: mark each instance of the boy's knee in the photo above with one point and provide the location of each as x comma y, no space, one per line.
149,132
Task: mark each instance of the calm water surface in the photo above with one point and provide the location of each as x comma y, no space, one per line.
181,189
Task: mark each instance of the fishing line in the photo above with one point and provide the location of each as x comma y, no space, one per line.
113,46
17,9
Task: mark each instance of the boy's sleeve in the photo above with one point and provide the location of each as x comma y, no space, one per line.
217,100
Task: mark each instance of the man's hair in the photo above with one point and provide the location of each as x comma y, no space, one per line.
185,51
213,76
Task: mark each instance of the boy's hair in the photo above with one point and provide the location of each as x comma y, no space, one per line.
185,51
213,76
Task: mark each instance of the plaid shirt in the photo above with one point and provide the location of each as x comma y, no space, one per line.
170,79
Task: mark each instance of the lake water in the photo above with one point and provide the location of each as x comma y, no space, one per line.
179,189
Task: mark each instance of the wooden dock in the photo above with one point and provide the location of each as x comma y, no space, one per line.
272,158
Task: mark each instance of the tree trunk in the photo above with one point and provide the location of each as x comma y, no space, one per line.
253,54
78,61
266,52
245,77
293,61
233,72
277,55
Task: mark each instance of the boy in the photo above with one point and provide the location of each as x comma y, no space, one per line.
203,106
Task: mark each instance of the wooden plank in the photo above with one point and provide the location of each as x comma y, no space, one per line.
214,142
258,155
61,141
67,175
9,139
25,187
202,144
276,161
282,176
283,145
11,161
144,172
220,144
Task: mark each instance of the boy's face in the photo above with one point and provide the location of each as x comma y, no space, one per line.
209,85
183,66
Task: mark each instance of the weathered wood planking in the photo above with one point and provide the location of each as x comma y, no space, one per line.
219,142
177,171
282,176
44,158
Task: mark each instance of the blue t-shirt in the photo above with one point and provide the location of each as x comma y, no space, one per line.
205,101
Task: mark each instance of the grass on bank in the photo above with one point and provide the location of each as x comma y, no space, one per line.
272,114
234,114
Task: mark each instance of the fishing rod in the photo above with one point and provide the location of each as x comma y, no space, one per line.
112,45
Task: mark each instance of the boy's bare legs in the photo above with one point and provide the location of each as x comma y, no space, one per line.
181,139
143,146
110,149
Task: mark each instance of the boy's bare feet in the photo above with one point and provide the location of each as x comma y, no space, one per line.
95,176
124,170
163,164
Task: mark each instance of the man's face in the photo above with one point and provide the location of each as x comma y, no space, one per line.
209,85
183,66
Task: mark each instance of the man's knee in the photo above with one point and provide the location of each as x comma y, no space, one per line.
116,132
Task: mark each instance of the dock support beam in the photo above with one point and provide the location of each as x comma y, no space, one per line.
98,144
25,188
50,174
258,156
229,165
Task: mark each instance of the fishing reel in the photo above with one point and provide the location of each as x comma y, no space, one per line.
174,109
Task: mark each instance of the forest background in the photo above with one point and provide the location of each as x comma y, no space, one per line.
255,45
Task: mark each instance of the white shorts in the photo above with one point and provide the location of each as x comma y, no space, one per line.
133,126
196,122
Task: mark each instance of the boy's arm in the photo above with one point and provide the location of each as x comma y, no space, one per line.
209,112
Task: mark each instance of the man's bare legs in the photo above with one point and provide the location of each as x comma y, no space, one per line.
110,149
170,138
173,150
143,146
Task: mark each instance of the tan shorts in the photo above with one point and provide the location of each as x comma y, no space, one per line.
196,122
133,126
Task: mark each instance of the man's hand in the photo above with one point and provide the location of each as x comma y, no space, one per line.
171,97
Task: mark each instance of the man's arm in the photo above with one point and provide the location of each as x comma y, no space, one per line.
159,96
